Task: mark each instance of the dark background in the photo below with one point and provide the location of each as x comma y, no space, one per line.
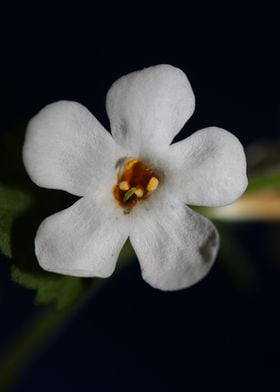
221,334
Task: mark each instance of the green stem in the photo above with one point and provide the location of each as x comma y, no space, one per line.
36,334
44,326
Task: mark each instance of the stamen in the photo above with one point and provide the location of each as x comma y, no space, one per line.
135,182
152,184
139,192
130,163
124,186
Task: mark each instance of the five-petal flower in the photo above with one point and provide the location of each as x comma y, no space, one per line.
133,183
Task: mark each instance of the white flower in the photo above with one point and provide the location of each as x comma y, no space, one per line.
134,183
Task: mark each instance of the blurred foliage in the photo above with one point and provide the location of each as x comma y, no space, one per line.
23,206
264,181
263,162
261,200
236,262
14,201
263,156
59,289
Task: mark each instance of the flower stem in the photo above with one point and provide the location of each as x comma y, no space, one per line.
45,325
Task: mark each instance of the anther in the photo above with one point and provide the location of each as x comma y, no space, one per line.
130,163
124,186
139,192
135,182
152,184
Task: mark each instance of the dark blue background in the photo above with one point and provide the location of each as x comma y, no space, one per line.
217,335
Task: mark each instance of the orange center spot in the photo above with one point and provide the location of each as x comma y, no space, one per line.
135,182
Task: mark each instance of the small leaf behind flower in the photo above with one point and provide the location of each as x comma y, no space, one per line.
58,289
13,202
63,291
22,207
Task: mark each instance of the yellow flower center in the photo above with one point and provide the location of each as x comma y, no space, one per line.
136,181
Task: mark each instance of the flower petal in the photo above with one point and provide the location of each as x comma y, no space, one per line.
208,168
67,148
83,240
175,246
149,107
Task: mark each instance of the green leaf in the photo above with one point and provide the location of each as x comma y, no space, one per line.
59,289
19,239
22,208
13,202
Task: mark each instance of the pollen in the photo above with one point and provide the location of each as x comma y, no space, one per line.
152,184
130,163
124,186
136,181
139,192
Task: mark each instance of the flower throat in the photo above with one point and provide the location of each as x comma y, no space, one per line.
135,182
